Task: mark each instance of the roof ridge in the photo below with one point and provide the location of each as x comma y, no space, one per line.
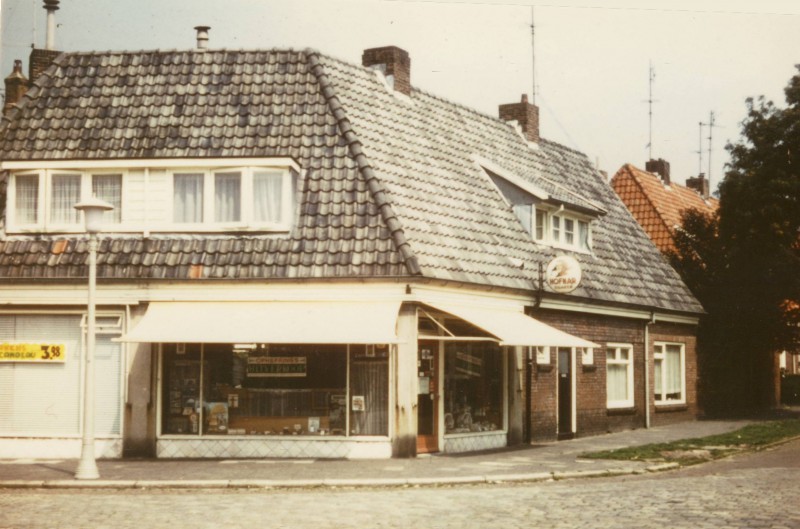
379,193
643,191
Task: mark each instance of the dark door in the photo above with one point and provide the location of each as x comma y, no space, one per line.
427,398
565,394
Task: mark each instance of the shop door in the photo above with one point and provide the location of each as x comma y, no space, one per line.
427,398
565,394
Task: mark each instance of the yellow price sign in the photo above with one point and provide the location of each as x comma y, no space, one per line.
32,352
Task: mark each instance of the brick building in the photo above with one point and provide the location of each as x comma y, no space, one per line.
312,258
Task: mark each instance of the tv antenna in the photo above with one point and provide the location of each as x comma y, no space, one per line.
533,59
699,150
711,125
650,101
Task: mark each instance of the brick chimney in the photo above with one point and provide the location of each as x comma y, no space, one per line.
699,184
659,167
16,86
394,63
40,59
524,113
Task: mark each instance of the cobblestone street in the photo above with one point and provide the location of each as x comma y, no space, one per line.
749,491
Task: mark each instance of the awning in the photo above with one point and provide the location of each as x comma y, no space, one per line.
512,327
278,322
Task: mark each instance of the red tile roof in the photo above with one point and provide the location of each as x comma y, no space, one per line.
656,206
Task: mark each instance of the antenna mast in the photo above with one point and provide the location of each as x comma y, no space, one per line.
533,59
700,149
711,124
650,102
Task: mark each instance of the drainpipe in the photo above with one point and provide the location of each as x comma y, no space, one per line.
647,369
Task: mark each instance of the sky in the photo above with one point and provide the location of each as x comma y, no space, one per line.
593,59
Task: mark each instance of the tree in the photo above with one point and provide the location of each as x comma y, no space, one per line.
744,263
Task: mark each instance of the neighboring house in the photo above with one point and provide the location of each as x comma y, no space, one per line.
311,258
657,203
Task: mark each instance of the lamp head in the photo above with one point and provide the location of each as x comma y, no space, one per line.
93,210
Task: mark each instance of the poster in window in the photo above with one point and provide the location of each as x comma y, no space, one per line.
359,403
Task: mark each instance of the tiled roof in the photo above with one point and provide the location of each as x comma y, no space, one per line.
392,187
656,206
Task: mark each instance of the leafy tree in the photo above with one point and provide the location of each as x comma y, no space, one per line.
744,263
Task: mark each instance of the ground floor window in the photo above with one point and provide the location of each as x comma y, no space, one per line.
473,387
619,376
670,379
264,389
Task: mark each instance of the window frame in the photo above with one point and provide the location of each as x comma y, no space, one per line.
44,213
661,356
629,378
247,221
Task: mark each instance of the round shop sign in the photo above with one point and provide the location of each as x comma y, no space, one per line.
563,274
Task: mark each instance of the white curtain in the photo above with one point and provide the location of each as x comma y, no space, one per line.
108,187
188,197
267,197
27,199
370,378
616,377
66,193
583,234
673,377
227,197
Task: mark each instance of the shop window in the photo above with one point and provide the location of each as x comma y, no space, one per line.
473,387
262,389
670,379
619,376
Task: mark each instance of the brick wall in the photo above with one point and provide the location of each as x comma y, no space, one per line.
40,60
593,415
394,62
524,113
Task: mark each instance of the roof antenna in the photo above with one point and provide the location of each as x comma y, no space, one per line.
711,124
650,101
533,59
699,150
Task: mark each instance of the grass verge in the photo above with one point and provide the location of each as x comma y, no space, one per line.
691,451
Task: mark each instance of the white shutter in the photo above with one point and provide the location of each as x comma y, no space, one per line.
41,398
108,362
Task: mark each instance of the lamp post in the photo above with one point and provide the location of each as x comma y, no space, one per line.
93,210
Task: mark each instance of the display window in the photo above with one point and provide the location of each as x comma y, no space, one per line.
473,387
266,389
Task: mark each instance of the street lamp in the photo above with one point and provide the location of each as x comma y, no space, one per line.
93,210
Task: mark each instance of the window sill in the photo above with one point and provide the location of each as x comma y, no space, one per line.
670,408
627,410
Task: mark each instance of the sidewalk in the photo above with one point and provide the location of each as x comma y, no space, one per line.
529,463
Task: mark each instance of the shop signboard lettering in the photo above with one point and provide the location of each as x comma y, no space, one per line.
45,353
276,366
563,274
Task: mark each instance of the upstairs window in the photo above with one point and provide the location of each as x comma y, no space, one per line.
556,229
108,187
65,193
27,199
245,198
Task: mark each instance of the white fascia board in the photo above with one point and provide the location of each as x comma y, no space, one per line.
639,314
281,162
523,184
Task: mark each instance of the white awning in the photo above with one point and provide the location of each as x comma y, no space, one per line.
308,322
512,327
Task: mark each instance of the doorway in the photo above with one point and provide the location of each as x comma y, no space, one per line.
428,398
565,394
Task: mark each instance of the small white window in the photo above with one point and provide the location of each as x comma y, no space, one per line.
556,223
542,355
228,197
268,196
583,235
26,199
569,232
65,193
188,197
619,376
670,374
108,187
541,225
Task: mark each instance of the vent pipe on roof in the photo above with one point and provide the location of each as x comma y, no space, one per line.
51,6
202,37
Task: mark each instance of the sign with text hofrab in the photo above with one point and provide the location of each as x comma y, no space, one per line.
43,353
563,274
276,366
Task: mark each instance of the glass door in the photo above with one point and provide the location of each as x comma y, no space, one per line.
427,398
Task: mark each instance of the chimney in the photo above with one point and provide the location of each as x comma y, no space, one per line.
394,63
202,37
699,184
16,86
524,113
51,6
659,167
40,59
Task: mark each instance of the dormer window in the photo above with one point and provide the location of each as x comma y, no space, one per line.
554,227
155,195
